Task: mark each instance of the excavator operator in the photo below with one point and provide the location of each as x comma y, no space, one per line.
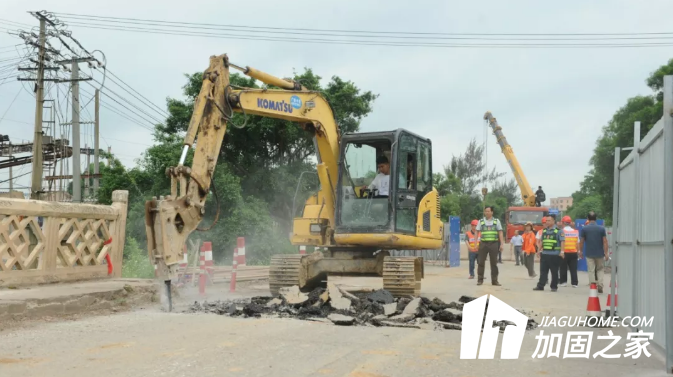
381,182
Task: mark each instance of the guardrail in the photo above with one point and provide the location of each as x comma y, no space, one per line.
48,242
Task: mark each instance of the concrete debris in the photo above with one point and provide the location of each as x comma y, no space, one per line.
336,298
413,307
341,320
451,326
390,309
348,295
402,317
336,306
466,299
292,295
397,324
381,296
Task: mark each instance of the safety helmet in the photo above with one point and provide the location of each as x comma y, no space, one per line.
567,219
544,220
474,222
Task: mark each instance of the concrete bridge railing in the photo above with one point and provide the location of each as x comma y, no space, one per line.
48,242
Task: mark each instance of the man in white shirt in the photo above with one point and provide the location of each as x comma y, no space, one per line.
516,242
382,180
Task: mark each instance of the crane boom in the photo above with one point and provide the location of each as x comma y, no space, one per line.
527,194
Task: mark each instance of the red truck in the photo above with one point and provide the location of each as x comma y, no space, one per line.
517,217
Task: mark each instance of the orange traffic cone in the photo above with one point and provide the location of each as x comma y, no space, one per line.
607,308
593,305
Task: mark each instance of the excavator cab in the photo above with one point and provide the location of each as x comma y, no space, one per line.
383,179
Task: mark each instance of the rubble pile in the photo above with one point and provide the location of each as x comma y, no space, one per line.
337,306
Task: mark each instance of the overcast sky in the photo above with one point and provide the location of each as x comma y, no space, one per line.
551,103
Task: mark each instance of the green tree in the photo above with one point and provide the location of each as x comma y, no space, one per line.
581,209
619,132
470,169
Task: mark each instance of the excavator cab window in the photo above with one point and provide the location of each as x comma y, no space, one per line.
365,184
375,200
414,168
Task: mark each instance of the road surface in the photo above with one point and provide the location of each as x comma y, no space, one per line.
150,342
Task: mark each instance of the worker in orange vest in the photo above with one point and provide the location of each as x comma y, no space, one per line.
472,242
569,262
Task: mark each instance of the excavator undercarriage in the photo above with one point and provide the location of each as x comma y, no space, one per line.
401,275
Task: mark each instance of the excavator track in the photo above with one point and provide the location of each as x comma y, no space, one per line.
402,275
284,272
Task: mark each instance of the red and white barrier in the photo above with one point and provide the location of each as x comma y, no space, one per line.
208,250
234,265
302,249
593,305
185,260
241,251
202,272
608,305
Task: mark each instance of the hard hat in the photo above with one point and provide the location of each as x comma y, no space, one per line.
544,220
586,222
474,222
567,219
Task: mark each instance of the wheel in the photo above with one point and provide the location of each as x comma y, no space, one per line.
284,272
402,275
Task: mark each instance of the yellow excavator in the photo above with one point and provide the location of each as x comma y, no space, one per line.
356,217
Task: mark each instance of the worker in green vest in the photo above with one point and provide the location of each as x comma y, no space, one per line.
491,242
552,242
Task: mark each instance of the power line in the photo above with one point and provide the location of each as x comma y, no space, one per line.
374,43
159,110
203,25
10,105
121,113
129,102
17,23
128,109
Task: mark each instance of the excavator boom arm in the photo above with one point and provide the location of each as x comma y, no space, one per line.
169,220
527,194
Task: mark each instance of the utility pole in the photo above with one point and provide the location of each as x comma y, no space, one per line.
96,146
86,172
36,183
76,165
11,176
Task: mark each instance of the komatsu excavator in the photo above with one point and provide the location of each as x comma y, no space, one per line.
351,219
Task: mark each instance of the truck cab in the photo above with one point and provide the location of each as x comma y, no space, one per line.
517,217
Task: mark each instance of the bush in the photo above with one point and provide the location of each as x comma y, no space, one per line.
136,263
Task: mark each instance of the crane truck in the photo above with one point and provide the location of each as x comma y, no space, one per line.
354,222
517,217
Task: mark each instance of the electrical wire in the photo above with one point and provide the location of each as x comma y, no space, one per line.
378,43
10,105
128,109
129,102
126,20
158,109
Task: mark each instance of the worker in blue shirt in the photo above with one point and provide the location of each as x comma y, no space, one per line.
552,248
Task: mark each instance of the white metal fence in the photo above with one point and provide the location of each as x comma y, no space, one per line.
643,227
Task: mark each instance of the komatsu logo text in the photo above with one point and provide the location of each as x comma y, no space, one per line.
275,105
